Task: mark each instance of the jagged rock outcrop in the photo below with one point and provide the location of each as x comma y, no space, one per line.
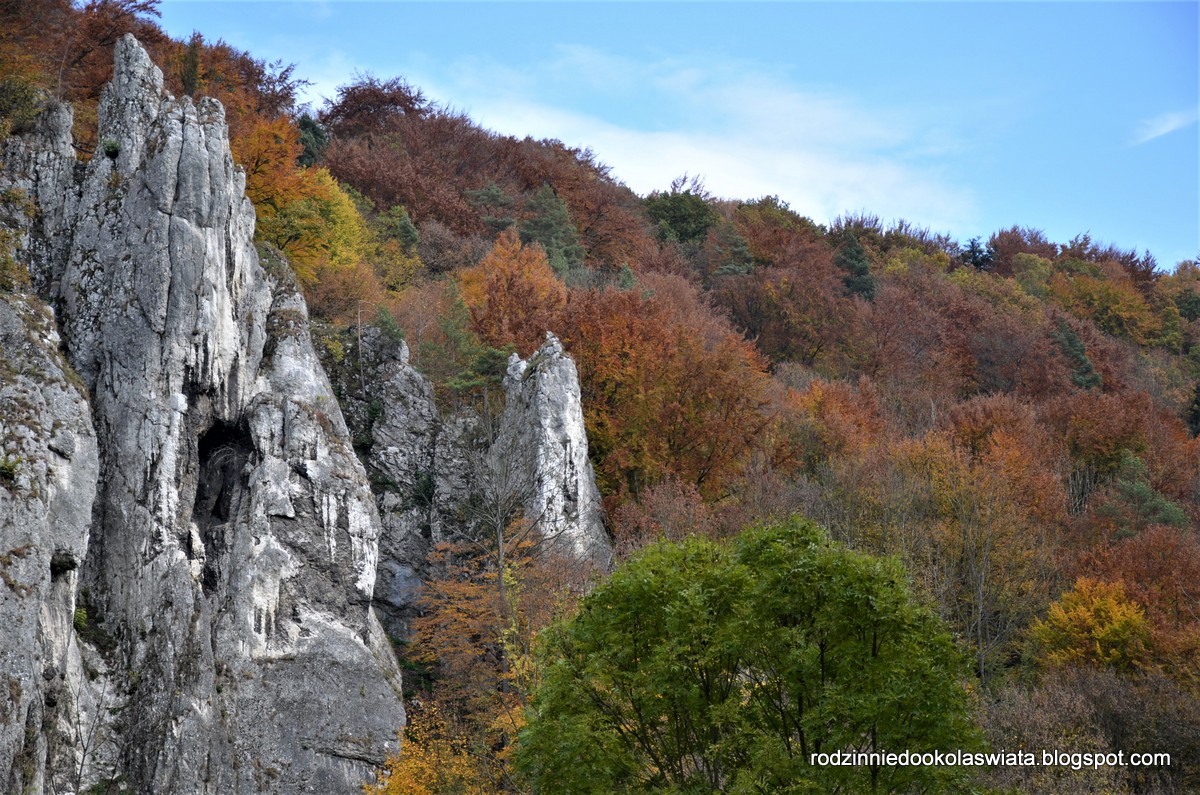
542,435
233,541
439,477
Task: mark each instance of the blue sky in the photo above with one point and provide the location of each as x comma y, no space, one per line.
963,117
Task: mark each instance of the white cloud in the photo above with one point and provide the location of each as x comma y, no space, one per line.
745,131
1164,124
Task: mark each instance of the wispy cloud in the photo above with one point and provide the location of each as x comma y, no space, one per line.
1164,124
326,71
747,131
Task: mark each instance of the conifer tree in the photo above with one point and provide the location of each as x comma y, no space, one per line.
549,224
495,205
1193,412
313,140
854,261
1084,375
398,226
189,64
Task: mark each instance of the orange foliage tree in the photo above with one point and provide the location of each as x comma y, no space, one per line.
974,549
513,295
397,148
825,420
1113,304
480,616
1006,244
792,314
67,49
778,236
433,758
268,152
669,388
309,217
671,511
1096,430
1002,434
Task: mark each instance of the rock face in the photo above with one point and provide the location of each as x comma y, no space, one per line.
396,420
445,477
228,562
542,435
48,472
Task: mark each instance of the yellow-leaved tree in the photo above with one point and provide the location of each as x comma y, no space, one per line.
304,213
316,226
434,760
1094,623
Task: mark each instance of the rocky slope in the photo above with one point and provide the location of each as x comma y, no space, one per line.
203,624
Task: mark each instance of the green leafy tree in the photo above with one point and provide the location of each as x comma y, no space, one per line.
701,667
549,225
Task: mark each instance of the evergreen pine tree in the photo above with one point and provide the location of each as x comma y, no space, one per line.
1084,375
854,261
313,139
1193,413
977,255
495,205
626,280
549,225
398,226
189,64
731,253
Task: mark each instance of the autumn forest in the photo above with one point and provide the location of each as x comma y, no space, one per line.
993,438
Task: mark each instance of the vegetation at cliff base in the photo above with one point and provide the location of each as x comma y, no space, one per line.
723,667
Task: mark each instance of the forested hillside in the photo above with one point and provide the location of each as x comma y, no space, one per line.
1011,421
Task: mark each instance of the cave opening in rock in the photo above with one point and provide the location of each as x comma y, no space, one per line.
222,451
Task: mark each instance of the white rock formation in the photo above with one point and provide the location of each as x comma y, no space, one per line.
542,434
48,472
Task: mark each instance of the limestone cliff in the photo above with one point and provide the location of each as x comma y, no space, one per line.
227,562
